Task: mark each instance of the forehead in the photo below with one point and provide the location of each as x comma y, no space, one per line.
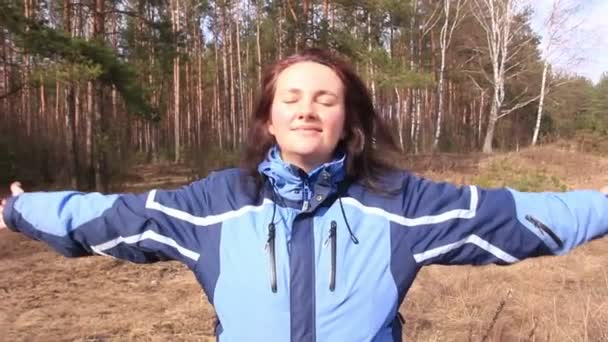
309,76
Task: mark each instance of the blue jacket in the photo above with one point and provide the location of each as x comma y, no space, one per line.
308,258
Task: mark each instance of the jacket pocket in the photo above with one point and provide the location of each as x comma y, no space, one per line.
545,230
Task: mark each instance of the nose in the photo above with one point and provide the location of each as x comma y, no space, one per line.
305,109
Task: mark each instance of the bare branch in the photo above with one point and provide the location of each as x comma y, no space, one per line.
518,106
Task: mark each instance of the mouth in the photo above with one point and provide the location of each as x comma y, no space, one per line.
307,129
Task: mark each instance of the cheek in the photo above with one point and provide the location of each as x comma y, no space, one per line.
277,121
337,123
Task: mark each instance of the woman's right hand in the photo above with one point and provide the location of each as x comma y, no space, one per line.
16,190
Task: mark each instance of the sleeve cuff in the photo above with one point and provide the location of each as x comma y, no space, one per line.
7,214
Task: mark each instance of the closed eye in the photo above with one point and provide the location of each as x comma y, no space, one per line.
327,100
289,99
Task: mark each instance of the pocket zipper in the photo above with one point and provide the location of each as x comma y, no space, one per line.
544,229
331,239
272,261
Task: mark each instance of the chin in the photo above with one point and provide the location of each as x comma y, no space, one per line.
312,155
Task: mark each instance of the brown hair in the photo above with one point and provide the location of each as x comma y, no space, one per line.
370,148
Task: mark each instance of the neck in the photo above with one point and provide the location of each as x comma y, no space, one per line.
307,163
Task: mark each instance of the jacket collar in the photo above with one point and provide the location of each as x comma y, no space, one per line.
293,183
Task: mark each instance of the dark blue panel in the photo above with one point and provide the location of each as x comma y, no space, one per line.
403,266
302,280
207,270
495,221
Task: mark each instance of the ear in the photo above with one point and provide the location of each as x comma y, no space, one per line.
270,127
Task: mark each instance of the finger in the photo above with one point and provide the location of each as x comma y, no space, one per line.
2,224
16,188
604,190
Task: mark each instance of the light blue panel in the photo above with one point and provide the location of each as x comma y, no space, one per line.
363,303
244,302
58,213
575,216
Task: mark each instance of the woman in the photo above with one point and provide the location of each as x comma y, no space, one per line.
319,235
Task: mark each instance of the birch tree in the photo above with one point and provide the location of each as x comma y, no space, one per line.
424,27
450,22
498,20
558,46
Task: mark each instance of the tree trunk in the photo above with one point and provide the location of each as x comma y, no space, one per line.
89,137
371,62
41,120
487,142
240,72
176,84
217,94
417,98
233,114
25,79
5,85
482,98
281,22
496,19
443,45
224,117
70,137
541,103
413,92
399,118
199,89
70,111
98,104
187,141
257,42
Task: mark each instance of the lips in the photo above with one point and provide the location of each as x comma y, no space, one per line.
307,129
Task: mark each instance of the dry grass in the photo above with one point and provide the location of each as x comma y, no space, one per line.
45,297
545,299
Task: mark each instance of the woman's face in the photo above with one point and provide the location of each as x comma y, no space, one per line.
307,114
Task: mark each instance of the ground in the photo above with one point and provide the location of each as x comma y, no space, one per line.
45,297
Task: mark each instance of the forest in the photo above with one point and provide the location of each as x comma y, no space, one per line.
92,88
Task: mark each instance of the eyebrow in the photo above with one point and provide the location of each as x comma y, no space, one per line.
320,92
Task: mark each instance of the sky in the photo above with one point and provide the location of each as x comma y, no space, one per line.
589,39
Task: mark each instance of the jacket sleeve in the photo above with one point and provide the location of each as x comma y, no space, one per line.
470,225
148,227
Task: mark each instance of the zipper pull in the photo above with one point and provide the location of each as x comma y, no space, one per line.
305,205
305,196
332,242
332,233
272,261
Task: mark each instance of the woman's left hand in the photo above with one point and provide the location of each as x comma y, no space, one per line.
604,190
16,190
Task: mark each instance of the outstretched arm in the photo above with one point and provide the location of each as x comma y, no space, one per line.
138,228
479,226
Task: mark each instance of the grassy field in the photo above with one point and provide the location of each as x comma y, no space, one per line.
45,297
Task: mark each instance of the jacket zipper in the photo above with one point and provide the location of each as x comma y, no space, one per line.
305,196
544,229
331,239
272,261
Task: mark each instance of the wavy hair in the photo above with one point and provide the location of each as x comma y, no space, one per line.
370,148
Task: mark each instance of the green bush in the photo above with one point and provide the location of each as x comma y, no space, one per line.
501,173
